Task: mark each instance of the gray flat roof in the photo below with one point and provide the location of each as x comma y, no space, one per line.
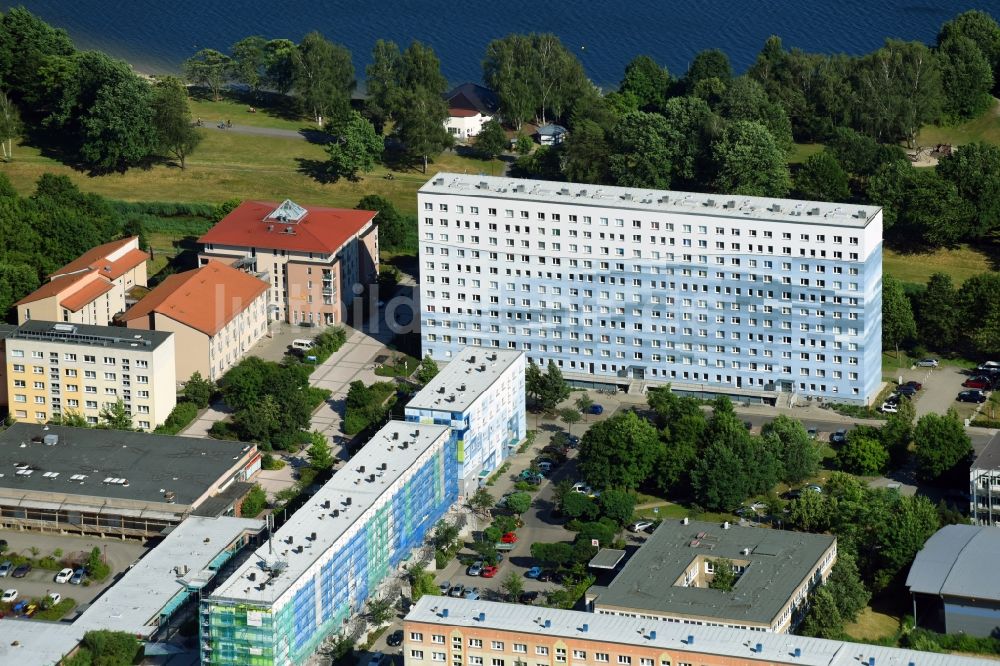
6,330
606,558
990,457
107,337
779,562
350,483
464,379
957,561
107,459
664,201
737,643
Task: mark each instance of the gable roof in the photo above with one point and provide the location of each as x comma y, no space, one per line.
551,130
205,298
85,294
469,99
955,561
303,228
111,260
53,287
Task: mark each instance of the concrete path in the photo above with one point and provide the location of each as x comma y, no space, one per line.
304,134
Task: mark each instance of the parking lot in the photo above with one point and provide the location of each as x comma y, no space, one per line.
941,386
39,582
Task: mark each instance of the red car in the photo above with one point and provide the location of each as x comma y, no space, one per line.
510,537
976,383
489,571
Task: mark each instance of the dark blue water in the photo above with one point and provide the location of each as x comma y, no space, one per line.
156,35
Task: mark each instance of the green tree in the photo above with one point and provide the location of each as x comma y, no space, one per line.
822,179
577,505
420,125
380,610
583,403
569,416
512,586
523,145
323,78
898,325
799,454
254,502
810,512
823,620
974,168
723,578
534,381
647,82
938,320
111,648
554,388
640,153
261,422
279,68
482,501
862,155
862,455
175,134
198,390
691,128
319,454
941,444
708,64
552,554
519,503
617,505
982,29
396,232
978,302
745,99
421,581
16,281
383,80
619,451
849,593
10,126
897,433
719,478
444,536
585,154
249,62
427,371
357,148
116,417
966,78
491,141
210,69
749,161
117,130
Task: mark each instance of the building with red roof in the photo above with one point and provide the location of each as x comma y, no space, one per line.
90,289
316,259
217,313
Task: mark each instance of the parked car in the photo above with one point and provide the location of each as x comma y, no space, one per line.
472,594
545,467
989,366
641,525
534,572
596,409
8,596
551,577
812,432
78,576
581,487
927,363
573,441
509,537
54,598
971,396
889,407
814,488
981,383
5,568
395,639
475,569
906,391
528,597
489,571
748,425
839,437
444,587
456,590
21,571
376,659
64,576
916,385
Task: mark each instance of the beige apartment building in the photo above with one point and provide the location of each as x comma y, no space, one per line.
55,369
91,289
313,257
216,313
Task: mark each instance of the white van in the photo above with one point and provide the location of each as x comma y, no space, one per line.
302,343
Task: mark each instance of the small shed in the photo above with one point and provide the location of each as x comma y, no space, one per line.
551,134
607,558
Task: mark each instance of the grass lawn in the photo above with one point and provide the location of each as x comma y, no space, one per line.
401,365
960,263
802,151
872,625
212,113
891,364
984,128
665,509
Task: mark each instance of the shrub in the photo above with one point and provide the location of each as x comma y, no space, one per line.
270,463
96,567
180,417
254,502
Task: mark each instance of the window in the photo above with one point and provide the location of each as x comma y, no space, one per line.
475,642
496,645
541,650
579,654
521,648
437,656
624,659
601,657
438,639
417,654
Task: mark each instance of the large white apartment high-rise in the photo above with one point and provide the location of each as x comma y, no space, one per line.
746,296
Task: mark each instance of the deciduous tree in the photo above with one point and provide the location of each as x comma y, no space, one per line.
974,168
116,416
323,77
799,453
749,161
640,153
319,454
938,320
585,154
357,148
862,455
198,390
519,503
619,451
966,78
427,371
249,62
822,179
172,119
941,444
10,126
647,81
491,141
898,325
617,505
210,69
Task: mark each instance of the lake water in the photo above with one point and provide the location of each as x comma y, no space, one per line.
156,36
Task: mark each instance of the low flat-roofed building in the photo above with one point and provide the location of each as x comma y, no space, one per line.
984,485
668,577
216,312
112,482
166,580
954,581
91,289
488,632
480,395
57,369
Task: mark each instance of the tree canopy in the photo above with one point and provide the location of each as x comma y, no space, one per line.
618,451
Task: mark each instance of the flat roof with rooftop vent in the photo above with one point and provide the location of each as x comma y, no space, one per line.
466,377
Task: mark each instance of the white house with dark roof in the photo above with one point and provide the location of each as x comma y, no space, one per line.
470,106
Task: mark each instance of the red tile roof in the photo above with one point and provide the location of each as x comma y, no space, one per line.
53,288
322,230
97,259
205,299
78,299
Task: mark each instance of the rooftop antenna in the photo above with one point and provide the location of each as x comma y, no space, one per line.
270,531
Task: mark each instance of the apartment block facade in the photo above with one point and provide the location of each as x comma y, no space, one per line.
748,296
92,289
332,554
480,396
315,259
216,313
984,486
55,369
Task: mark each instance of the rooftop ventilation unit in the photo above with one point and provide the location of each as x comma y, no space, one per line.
519,188
710,203
441,390
439,181
50,440
564,191
326,504
582,193
814,211
730,204
383,466
395,436
347,501
627,196
483,185
861,214
336,513
725,525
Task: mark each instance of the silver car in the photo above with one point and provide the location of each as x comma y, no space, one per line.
5,568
